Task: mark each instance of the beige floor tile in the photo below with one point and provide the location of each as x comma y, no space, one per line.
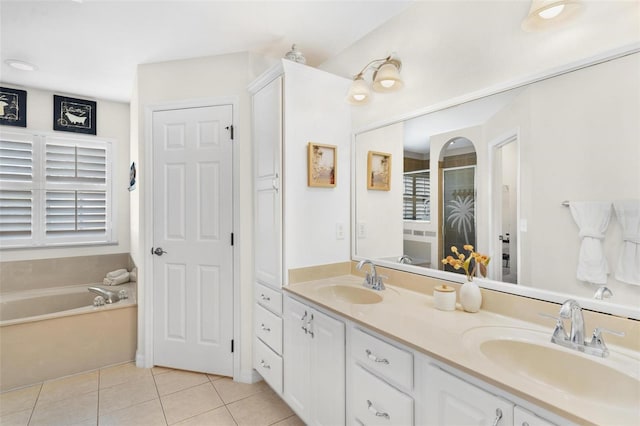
261,409
19,400
21,418
218,417
64,388
121,374
231,391
190,402
127,394
177,380
214,377
160,370
70,411
146,414
290,421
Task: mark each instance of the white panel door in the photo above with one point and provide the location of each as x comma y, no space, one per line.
267,135
192,221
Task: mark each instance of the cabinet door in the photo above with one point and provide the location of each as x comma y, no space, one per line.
328,372
267,137
296,354
452,401
522,417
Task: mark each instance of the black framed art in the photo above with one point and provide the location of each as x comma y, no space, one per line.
74,115
13,107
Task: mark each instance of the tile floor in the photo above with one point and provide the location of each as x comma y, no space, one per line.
125,395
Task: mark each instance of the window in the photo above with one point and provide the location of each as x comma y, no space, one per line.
54,190
416,201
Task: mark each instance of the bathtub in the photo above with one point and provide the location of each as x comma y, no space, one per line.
57,332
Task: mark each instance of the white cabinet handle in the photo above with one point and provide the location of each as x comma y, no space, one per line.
267,329
376,412
374,358
310,326
265,365
498,417
265,298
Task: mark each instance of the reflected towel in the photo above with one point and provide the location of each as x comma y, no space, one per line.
628,268
120,279
592,217
116,273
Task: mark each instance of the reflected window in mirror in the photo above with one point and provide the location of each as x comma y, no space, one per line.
417,196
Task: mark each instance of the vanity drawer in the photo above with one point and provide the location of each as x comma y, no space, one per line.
375,402
268,327
389,361
268,364
269,298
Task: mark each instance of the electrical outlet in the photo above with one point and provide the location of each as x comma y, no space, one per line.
362,230
339,231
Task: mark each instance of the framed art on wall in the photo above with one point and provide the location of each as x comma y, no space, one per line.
74,115
13,107
379,171
322,165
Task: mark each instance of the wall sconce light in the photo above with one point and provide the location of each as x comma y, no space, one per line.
545,13
386,78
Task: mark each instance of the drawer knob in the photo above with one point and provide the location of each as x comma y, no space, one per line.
374,358
265,298
267,329
375,411
265,365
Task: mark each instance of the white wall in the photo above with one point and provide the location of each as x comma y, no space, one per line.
452,48
315,111
380,212
178,81
113,123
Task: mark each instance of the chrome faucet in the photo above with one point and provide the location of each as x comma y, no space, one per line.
405,259
372,280
602,292
572,310
109,296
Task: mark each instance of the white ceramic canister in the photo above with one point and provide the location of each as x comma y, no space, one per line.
444,298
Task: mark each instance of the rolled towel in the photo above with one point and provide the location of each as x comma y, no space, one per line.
120,279
116,273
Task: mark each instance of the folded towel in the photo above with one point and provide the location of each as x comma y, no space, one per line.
120,279
628,213
116,273
592,219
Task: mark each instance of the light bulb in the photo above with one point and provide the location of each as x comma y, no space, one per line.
387,83
359,97
551,12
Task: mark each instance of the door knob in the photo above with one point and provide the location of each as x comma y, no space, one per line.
158,251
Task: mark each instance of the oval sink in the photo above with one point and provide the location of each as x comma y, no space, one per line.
350,294
530,353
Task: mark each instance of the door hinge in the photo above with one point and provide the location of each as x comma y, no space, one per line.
232,238
230,129
231,345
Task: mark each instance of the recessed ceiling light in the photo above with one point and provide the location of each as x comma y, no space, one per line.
20,65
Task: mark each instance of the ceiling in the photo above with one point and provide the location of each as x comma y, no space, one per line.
91,48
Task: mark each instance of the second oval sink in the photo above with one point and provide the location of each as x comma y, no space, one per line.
350,294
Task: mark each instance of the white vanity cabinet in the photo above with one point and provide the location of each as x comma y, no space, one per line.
449,400
522,417
314,371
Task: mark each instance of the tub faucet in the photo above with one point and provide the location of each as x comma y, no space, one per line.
109,296
572,310
372,280
405,259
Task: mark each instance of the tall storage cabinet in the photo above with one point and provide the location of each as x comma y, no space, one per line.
294,225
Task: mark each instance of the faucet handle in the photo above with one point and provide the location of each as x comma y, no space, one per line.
559,332
597,334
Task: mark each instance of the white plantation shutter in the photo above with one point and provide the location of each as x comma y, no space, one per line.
416,200
16,188
54,190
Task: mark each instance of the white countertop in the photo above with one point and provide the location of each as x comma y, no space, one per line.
410,318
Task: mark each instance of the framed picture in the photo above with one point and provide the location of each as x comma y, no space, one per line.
13,107
322,165
379,171
74,115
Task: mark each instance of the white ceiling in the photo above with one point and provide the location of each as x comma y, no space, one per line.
91,47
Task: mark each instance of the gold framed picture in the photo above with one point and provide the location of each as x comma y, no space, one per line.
379,171
322,165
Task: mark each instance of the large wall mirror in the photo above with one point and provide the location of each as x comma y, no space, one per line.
496,172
